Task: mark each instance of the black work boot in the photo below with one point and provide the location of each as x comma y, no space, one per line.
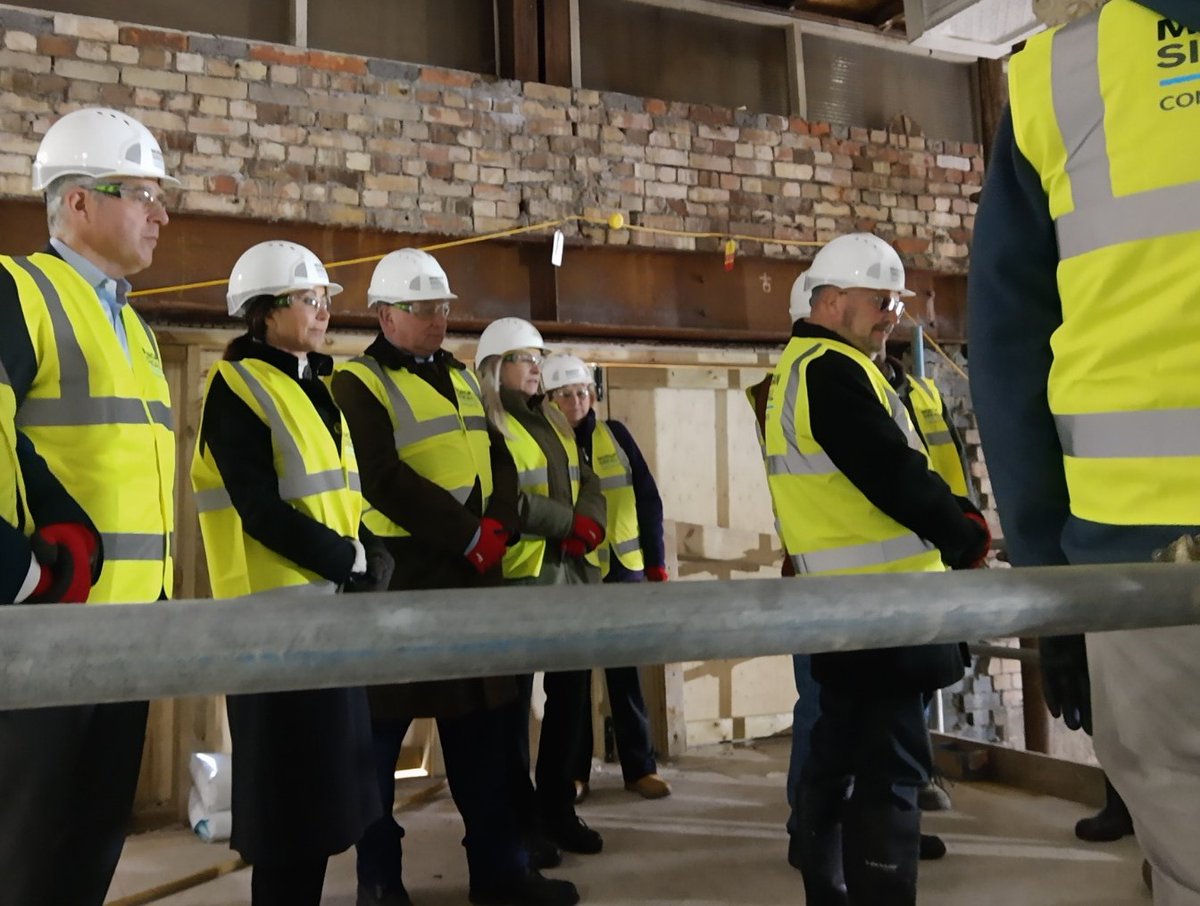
1110,823
571,835
543,853
932,847
528,889
816,847
881,847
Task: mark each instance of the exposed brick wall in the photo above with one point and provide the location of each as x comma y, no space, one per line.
278,132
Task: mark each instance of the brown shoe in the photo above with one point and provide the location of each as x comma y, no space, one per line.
649,787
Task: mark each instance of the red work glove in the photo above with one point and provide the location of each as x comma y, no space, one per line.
66,552
985,543
656,574
573,547
586,530
488,549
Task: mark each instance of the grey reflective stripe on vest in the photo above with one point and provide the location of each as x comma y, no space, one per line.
800,464
134,546
790,395
461,494
475,422
899,413
573,473
627,547
295,482
1111,435
859,556
79,410
1101,219
612,482
527,478
355,482
938,437
408,429
212,499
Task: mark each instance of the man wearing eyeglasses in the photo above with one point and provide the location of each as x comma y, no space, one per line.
854,493
441,491
92,398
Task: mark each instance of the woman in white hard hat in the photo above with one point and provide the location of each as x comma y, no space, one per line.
632,551
563,512
277,491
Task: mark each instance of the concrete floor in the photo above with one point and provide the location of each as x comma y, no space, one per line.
718,839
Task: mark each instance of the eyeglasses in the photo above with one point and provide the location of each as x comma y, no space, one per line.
566,393
525,358
885,302
153,202
304,297
426,309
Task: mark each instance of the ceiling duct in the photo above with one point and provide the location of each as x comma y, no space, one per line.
981,28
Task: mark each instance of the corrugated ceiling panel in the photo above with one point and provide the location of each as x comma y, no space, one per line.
853,85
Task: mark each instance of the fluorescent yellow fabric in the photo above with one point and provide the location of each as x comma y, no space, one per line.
826,524
623,537
314,477
930,414
524,559
102,421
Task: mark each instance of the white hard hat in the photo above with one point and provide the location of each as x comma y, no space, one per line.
856,260
801,301
562,370
100,143
408,275
505,335
272,269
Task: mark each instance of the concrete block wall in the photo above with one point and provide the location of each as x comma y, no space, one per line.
277,132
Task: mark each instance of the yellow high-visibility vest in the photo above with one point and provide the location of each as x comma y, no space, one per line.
102,421
315,477
623,538
934,429
1106,110
524,559
827,525
448,446
12,483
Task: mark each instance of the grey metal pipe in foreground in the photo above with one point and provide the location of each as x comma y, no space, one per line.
64,654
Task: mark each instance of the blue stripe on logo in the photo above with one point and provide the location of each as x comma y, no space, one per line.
1178,79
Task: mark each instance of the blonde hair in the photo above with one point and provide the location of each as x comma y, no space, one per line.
488,372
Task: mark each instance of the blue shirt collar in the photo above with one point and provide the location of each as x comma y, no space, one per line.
96,278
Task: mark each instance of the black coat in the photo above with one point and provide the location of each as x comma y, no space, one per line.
303,775
868,447
442,529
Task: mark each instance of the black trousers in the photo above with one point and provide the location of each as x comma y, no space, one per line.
296,882
874,744
478,749
631,725
67,780
558,747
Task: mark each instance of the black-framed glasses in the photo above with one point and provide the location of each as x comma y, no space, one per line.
308,297
425,309
886,302
525,358
154,202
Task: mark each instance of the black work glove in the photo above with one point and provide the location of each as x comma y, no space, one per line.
379,571
1065,681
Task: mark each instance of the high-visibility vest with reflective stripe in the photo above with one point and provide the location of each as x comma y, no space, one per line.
524,559
448,446
315,477
930,411
102,421
12,483
1102,113
827,525
623,537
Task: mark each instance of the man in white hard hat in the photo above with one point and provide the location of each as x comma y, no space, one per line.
441,490
92,398
854,493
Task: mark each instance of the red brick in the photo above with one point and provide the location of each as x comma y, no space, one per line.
911,246
819,128
336,62
150,37
798,125
56,46
450,77
224,184
711,116
656,107
269,53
